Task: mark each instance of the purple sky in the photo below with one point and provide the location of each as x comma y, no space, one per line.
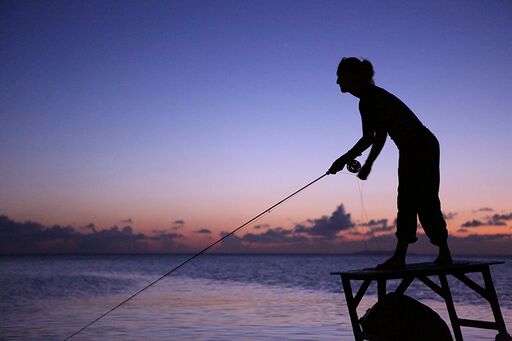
210,111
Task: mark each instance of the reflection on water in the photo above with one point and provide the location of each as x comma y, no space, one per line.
216,298
190,309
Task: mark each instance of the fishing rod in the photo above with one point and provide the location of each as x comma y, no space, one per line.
353,166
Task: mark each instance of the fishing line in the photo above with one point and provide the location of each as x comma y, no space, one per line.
360,186
362,212
354,167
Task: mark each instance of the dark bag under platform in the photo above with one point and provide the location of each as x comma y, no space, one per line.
401,318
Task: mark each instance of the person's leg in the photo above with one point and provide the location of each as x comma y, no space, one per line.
397,261
406,221
434,225
429,206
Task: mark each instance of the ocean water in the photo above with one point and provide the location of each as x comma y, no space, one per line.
214,297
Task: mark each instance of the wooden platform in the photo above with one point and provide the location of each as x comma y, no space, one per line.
422,272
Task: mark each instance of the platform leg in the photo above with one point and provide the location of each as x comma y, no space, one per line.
450,307
381,288
352,308
404,284
493,300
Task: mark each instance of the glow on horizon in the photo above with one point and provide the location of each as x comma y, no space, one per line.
211,112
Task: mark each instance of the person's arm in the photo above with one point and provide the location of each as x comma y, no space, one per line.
378,143
364,143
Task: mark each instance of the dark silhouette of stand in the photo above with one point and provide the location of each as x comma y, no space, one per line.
422,272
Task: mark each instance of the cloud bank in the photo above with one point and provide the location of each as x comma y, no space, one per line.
34,238
327,227
494,220
334,233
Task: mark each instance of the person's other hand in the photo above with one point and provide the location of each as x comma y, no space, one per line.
365,171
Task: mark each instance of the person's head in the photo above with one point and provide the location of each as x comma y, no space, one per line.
354,74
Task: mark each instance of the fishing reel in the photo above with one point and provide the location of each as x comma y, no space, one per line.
353,166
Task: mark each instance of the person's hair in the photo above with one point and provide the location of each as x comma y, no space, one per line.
361,69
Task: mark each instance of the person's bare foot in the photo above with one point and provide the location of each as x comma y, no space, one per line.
444,258
392,263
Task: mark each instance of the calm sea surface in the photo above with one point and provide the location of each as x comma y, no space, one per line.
214,297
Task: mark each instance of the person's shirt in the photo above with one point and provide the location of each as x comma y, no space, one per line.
382,110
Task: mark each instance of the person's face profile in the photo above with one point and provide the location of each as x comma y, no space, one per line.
343,80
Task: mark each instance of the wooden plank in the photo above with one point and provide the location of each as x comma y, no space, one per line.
425,269
432,285
352,309
402,287
470,283
478,324
381,288
493,300
450,307
361,292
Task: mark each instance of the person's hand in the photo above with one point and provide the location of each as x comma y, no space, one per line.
338,165
365,171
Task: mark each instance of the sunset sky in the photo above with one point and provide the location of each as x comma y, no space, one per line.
183,119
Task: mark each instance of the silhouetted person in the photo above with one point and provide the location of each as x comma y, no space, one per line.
384,114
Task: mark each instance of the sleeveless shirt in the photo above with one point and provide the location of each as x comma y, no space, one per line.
382,110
